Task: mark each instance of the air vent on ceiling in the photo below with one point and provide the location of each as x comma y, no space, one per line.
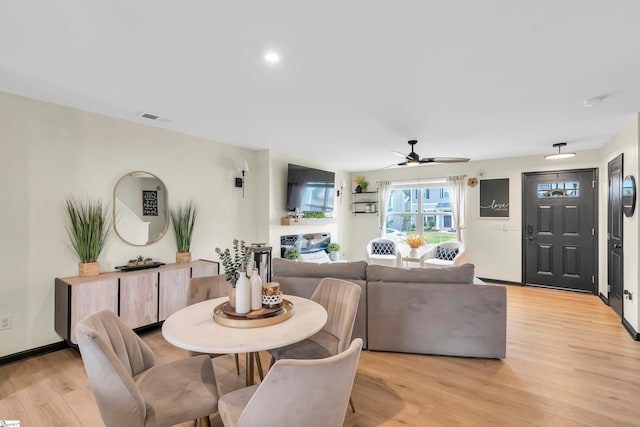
154,117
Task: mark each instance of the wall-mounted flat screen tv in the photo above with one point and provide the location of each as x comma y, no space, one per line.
310,189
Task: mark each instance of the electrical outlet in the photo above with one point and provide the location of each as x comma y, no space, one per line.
5,321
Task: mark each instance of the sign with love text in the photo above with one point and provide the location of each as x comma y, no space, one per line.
494,198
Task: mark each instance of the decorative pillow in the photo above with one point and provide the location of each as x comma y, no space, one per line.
383,247
446,254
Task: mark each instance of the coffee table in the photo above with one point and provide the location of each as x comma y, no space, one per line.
193,328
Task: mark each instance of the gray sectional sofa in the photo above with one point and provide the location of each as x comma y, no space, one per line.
444,311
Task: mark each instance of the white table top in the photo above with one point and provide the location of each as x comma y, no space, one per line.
193,328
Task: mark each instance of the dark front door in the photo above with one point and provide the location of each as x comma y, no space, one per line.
614,231
559,225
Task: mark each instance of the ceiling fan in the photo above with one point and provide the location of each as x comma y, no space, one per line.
413,159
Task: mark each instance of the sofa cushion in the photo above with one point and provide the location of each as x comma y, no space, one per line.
446,254
339,270
454,274
383,247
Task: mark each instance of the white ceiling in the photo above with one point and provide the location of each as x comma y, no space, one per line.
480,79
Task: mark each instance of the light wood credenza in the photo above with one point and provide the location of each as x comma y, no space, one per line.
141,298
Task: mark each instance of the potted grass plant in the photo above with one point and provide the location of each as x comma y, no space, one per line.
87,223
184,220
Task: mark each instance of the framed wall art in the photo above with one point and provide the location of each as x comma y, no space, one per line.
494,198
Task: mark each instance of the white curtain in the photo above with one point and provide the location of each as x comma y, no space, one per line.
456,195
384,189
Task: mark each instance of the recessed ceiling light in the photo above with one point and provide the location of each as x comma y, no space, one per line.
559,154
271,57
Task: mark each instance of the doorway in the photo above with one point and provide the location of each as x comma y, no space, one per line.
559,217
615,233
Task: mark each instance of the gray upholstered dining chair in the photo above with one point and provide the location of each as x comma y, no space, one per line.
340,298
309,393
206,288
130,389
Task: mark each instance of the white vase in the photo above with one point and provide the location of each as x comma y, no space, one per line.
243,294
334,256
414,253
256,290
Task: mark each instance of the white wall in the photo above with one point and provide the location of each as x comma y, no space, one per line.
496,253
48,152
626,141
278,163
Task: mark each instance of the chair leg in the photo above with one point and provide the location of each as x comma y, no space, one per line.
237,363
273,360
353,408
259,364
204,421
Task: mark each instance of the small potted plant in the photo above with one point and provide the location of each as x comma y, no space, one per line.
292,253
184,220
334,251
87,224
362,184
233,264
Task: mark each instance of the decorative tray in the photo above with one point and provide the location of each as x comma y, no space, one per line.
226,316
139,267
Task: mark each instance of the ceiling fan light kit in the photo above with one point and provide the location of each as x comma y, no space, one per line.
559,154
413,159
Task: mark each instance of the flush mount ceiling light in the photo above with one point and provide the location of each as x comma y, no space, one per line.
271,57
559,154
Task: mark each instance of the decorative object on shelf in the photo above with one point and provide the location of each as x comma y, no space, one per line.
334,251
87,224
184,220
271,295
127,267
414,242
472,182
256,290
234,263
243,293
292,253
362,184
314,214
244,168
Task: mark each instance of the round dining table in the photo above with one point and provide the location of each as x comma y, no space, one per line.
194,328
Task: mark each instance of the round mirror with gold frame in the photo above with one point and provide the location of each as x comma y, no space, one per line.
140,208
628,195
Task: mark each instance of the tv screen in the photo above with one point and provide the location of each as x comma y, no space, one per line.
310,189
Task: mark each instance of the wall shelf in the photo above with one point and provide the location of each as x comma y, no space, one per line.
365,202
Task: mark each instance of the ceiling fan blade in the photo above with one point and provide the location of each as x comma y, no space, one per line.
399,154
449,159
402,164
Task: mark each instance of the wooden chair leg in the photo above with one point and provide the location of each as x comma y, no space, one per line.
353,408
237,363
273,360
204,421
259,364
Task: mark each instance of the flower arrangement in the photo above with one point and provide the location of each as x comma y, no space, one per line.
415,241
360,180
236,263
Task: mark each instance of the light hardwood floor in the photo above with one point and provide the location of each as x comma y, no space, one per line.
569,362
